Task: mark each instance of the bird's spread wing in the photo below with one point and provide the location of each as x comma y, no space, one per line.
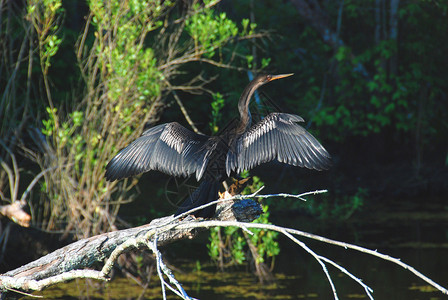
169,148
277,136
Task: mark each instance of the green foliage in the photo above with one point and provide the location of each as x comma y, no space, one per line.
368,86
132,53
126,50
45,16
366,106
214,243
217,105
210,31
265,240
131,68
119,74
251,63
229,246
127,54
265,62
67,135
387,98
198,266
139,261
339,208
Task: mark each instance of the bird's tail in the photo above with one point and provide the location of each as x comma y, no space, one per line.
205,193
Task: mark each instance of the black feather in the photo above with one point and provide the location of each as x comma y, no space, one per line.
277,136
175,150
169,148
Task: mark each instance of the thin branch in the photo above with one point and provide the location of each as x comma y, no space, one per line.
291,195
184,111
108,265
317,257
368,290
247,231
163,268
25,294
38,285
396,261
159,270
10,178
35,180
13,179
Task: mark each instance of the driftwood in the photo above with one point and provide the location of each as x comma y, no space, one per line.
15,213
77,260
74,260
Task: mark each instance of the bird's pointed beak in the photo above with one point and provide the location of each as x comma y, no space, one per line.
274,77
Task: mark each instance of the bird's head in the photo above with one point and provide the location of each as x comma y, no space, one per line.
263,79
243,104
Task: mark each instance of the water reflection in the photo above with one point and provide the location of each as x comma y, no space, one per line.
419,240
309,282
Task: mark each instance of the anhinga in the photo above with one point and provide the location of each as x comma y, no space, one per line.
177,151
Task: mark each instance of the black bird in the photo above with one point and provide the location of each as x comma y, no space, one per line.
177,151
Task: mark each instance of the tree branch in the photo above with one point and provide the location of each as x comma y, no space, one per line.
67,263
70,261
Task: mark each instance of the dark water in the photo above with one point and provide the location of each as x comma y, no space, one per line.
415,233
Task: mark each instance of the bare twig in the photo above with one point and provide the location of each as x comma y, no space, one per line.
13,178
182,108
280,229
161,267
368,290
33,183
283,195
317,257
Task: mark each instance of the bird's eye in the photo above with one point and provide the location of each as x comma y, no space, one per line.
269,77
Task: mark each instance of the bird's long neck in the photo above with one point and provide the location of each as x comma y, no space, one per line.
243,107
